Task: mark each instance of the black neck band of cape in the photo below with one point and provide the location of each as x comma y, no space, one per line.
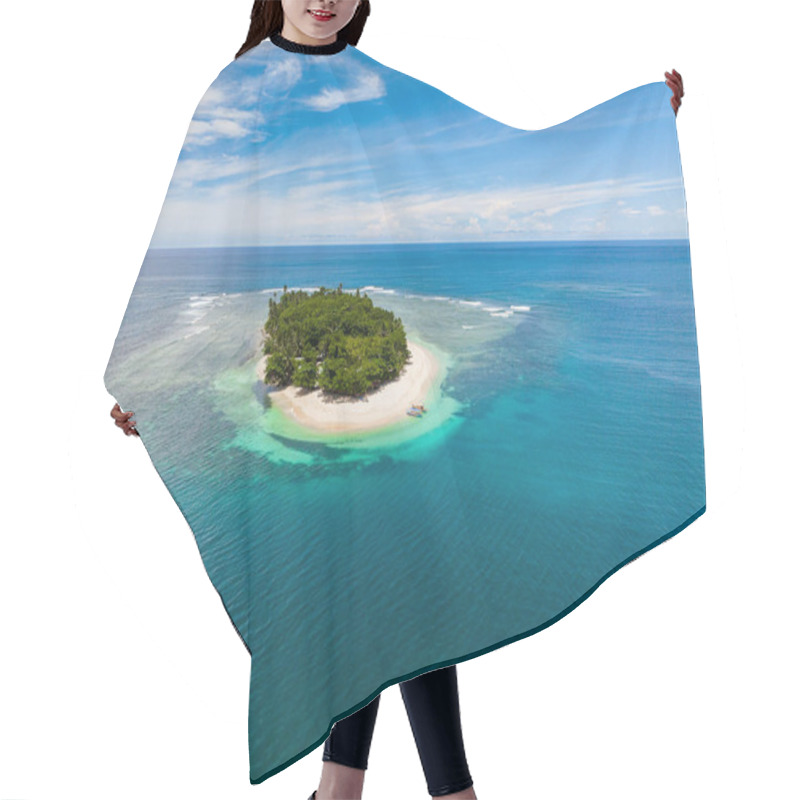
312,49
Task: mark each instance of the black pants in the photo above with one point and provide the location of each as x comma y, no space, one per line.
431,701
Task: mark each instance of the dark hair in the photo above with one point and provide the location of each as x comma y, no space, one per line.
266,18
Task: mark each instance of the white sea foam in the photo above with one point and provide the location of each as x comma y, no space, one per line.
200,302
198,307
195,330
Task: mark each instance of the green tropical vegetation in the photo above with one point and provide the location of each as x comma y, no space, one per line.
332,340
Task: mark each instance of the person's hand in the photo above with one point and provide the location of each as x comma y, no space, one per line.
675,82
122,419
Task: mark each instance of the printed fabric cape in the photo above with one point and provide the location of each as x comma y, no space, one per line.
419,381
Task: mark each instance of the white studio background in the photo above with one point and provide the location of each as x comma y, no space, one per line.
121,675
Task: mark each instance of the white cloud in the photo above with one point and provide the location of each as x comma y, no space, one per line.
367,86
270,209
230,108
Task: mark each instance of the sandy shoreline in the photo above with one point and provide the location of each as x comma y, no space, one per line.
385,406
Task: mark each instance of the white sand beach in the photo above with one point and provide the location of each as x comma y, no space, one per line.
384,406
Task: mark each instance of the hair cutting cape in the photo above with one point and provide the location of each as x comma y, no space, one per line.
419,381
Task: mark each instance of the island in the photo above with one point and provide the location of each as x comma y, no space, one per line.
338,363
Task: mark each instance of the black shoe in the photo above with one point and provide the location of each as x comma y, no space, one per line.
313,795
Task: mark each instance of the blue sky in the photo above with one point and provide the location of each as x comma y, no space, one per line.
287,148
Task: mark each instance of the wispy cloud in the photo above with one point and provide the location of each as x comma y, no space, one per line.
231,108
367,86
275,156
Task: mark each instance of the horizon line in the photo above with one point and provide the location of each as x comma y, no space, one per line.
401,244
